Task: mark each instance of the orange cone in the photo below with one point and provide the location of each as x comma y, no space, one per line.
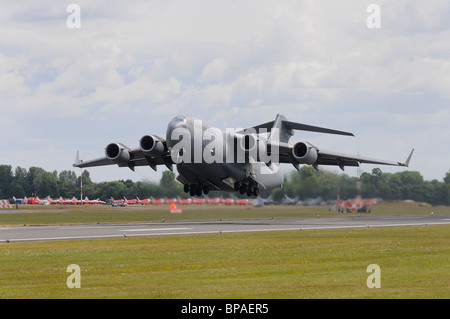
174,210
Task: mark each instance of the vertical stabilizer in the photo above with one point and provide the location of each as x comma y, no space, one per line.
280,132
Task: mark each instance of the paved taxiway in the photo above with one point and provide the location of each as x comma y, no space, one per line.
44,233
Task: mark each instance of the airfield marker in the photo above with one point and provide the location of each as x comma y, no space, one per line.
174,210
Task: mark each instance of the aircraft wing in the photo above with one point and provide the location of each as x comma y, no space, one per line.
92,163
306,153
339,159
152,152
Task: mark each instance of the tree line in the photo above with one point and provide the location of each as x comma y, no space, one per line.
406,185
305,183
35,181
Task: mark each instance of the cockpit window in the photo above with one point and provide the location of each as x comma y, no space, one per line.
179,119
184,120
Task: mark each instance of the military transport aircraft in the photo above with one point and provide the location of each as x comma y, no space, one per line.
208,158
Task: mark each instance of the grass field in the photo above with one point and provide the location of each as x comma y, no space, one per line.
293,264
414,261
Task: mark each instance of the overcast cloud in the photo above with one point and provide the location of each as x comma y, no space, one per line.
133,66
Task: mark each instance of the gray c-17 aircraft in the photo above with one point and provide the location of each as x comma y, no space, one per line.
208,158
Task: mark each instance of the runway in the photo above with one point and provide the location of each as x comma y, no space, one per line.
48,233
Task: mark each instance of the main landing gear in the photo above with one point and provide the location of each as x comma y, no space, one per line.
250,189
196,189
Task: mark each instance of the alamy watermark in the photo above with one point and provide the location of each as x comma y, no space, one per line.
195,144
374,19
73,21
74,279
374,280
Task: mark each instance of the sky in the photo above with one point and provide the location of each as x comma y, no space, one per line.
115,71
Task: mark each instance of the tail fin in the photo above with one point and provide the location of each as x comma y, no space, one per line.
278,129
281,129
280,132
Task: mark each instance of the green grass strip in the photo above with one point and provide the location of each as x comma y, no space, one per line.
414,263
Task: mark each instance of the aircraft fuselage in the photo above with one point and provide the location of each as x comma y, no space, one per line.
222,158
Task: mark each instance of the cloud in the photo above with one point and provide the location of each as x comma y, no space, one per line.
131,67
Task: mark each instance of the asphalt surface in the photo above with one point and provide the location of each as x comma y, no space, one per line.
48,233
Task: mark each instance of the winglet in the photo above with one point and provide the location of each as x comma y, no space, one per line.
409,157
77,159
407,160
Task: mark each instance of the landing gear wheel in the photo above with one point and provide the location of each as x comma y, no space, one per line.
199,190
243,189
251,190
192,190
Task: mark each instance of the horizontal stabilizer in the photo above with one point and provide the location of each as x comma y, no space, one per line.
286,126
310,128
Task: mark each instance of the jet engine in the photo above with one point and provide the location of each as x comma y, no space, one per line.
151,145
118,153
304,153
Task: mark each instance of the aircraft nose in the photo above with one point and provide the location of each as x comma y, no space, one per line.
177,123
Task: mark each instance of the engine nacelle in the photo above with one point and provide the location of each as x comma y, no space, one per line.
304,153
118,153
151,145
